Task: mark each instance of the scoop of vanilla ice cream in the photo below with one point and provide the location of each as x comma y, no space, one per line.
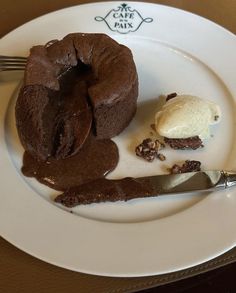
186,116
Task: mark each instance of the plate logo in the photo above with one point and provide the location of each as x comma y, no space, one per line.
123,19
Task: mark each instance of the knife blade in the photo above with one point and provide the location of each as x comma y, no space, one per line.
191,181
103,190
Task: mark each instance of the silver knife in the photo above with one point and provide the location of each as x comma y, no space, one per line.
102,190
192,181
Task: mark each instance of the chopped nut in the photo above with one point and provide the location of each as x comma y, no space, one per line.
145,150
171,96
161,157
159,145
151,144
149,158
149,149
138,151
146,141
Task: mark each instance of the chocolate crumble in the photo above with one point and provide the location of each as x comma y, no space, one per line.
188,166
171,96
184,143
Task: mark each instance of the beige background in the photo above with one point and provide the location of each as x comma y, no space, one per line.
20,272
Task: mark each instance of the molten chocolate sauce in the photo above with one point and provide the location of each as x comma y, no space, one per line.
94,160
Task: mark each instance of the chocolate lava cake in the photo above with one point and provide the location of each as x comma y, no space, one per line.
82,82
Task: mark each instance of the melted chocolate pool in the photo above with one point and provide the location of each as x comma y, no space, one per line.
94,160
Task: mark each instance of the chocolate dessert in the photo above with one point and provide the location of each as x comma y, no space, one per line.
84,80
184,143
54,123
187,166
103,190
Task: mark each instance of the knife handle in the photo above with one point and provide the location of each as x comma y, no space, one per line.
229,178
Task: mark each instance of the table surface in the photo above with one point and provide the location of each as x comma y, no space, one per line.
20,272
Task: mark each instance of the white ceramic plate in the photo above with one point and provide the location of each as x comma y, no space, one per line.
175,51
